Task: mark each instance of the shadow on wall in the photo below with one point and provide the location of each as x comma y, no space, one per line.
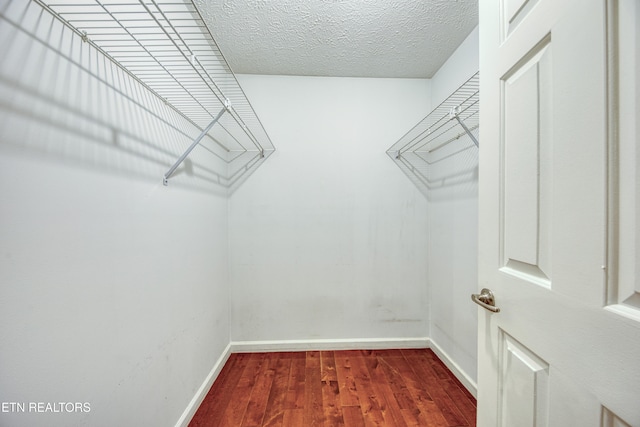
63,100
438,154
450,173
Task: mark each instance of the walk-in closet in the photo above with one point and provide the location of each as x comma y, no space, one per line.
324,212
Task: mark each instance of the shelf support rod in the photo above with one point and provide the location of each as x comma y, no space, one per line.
455,114
206,130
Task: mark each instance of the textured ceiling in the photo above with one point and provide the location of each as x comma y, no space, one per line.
342,38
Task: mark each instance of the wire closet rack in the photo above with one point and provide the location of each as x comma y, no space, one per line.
441,151
166,46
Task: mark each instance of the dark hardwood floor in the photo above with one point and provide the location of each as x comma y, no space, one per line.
337,388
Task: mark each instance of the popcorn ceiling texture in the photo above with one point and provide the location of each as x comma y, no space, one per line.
340,38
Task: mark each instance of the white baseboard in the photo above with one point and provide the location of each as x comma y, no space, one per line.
339,344
466,381
193,406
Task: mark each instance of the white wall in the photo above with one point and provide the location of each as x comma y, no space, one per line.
113,288
453,233
461,65
328,238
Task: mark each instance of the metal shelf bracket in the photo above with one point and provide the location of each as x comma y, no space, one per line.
167,175
454,113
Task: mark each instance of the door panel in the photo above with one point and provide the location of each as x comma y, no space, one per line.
558,182
609,419
523,385
624,295
525,113
514,11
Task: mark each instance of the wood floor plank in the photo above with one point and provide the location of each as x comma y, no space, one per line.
239,401
396,382
352,416
408,406
429,412
369,402
437,366
330,390
423,367
293,418
328,366
412,417
295,388
353,388
346,382
462,402
313,410
332,410
390,407
210,412
461,398
260,392
274,414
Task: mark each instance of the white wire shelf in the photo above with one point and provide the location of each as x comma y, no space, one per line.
166,46
441,149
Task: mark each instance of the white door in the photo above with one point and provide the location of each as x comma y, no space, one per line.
559,205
